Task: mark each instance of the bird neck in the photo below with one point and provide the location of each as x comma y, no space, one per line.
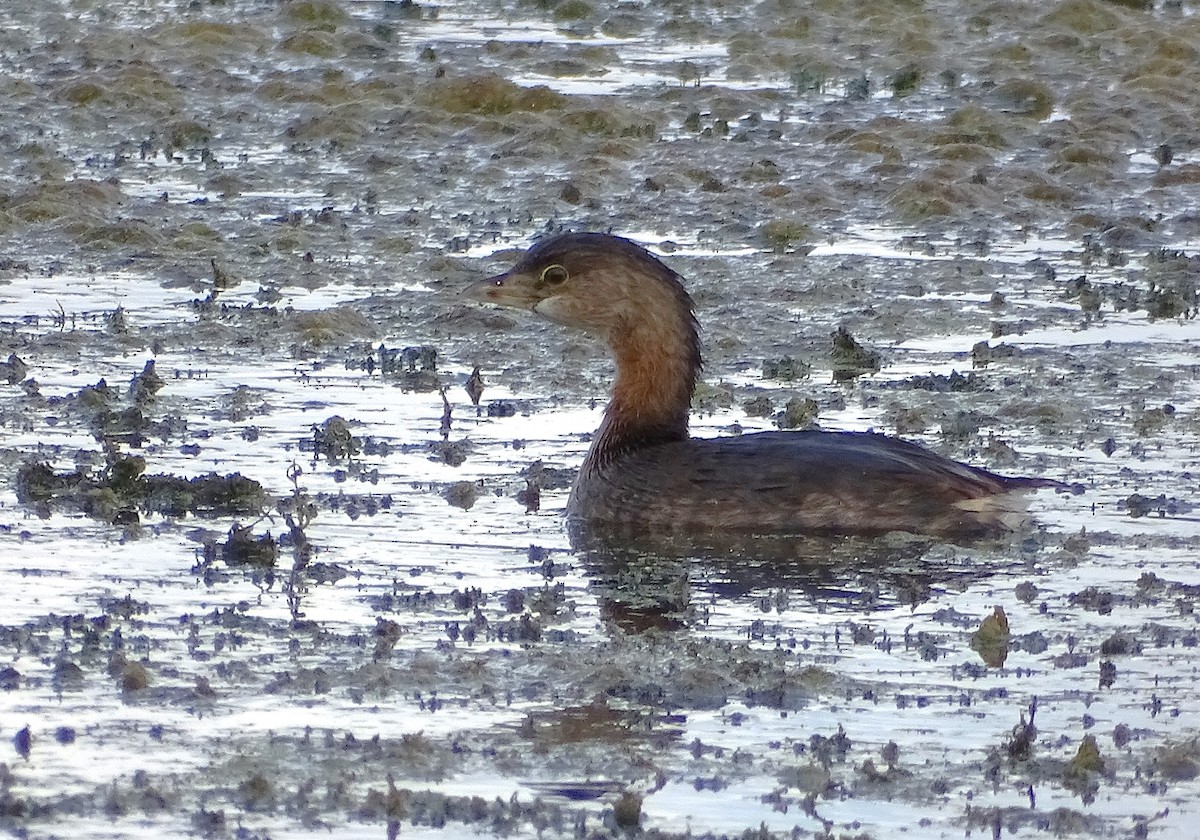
658,360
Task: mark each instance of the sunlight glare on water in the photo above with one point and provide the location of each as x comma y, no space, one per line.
279,206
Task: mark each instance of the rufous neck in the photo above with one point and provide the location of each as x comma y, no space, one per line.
657,367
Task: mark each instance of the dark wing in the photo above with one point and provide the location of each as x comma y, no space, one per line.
798,482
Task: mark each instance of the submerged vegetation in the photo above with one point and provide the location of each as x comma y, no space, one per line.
279,512
122,489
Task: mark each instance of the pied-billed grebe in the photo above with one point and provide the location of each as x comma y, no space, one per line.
643,472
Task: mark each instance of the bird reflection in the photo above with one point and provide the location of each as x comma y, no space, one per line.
651,582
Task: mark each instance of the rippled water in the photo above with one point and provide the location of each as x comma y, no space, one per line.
443,669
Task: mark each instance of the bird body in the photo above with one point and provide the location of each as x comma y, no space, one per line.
643,474
809,482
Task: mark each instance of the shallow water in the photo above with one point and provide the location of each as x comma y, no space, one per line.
439,669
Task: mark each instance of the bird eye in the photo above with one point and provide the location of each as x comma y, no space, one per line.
554,274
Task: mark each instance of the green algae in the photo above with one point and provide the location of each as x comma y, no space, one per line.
491,95
318,44
572,10
976,124
849,357
330,326
317,14
1024,97
1086,17
440,183
54,200
334,440
123,487
782,234
243,548
798,413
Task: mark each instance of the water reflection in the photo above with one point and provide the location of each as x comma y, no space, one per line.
650,582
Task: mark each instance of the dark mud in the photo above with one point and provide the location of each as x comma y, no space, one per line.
279,536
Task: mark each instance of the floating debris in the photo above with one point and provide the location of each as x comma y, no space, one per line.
122,486
849,358
992,639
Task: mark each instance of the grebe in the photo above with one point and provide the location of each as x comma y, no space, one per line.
643,474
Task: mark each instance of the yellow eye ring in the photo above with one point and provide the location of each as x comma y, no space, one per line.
553,275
